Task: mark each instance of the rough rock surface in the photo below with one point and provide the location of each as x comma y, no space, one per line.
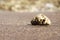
40,19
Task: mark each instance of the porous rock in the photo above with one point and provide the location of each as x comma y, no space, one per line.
41,19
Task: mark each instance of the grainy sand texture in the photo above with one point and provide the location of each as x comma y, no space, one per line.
16,26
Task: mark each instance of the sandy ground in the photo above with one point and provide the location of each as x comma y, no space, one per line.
16,26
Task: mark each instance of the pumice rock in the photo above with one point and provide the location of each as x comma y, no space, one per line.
41,19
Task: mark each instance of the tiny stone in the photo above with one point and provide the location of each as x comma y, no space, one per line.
41,19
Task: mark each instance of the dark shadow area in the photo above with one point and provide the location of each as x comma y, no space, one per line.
39,25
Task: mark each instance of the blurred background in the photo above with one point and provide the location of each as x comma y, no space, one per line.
30,5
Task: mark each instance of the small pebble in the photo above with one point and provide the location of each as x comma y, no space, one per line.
41,19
